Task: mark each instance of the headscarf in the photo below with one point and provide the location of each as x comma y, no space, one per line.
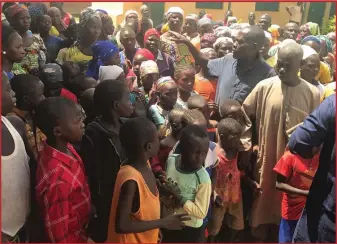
105,17
162,82
209,37
230,20
130,12
222,40
314,28
311,38
274,30
110,72
207,50
204,21
222,31
151,32
148,67
307,51
35,10
14,10
146,53
235,26
327,42
86,15
193,17
174,10
165,28
273,50
143,7
102,51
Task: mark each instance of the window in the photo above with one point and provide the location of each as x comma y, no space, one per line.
209,5
267,6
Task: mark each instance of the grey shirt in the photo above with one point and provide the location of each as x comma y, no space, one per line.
233,85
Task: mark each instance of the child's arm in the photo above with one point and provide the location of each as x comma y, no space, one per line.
123,222
283,186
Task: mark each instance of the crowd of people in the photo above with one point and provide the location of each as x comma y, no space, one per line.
195,130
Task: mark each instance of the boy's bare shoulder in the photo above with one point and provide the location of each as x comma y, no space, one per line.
168,142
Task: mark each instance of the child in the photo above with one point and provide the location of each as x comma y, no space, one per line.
62,190
135,212
29,91
149,74
227,200
187,171
166,92
200,103
15,172
102,152
70,71
294,178
87,103
158,162
111,72
184,76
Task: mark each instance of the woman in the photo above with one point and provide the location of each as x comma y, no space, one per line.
108,27
35,57
105,53
191,28
12,51
223,46
223,31
55,15
207,40
165,62
80,52
304,31
179,52
140,56
130,16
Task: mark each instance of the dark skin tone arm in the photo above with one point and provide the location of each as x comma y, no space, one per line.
124,210
283,186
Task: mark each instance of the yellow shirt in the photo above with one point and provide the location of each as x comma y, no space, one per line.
53,31
324,74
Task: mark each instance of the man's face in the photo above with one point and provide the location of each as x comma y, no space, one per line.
264,23
241,48
291,31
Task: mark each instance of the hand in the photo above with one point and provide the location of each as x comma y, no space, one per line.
213,108
178,38
257,188
170,187
218,202
175,222
255,149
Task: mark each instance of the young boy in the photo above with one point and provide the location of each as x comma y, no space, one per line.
87,103
200,103
102,152
62,190
228,201
294,178
15,171
79,84
186,170
135,212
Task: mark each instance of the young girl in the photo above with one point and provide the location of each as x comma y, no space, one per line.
149,74
184,76
187,171
166,92
135,212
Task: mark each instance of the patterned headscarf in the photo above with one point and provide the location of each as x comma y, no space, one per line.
314,28
162,82
311,38
146,53
193,17
222,31
209,37
151,32
231,20
222,40
86,15
148,67
14,10
102,51
130,12
326,41
207,50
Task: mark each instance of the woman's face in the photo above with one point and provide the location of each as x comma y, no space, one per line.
108,27
128,40
206,44
169,94
22,21
133,17
186,80
93,29
191,26
55,16
14,50
45,24
152,43
224,49
304,32
175,22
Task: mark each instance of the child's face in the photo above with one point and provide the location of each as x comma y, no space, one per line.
148,81
169,94
71,128
137,61
231,140
186,80
124,106
195,157
45,24
114,60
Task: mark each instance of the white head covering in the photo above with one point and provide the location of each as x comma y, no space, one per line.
206,50
131,12
174,10
111,72
222,31
307,51
204,21
222,40
193,17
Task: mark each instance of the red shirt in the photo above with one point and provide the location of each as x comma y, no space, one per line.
228,179
63,195
299,173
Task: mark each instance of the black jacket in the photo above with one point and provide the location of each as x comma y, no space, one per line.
102,155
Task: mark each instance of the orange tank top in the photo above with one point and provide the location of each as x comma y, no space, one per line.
149,209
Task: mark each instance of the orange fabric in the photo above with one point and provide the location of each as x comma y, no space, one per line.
205,88
149,209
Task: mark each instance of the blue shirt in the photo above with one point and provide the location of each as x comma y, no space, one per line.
54,45
317,223
234,85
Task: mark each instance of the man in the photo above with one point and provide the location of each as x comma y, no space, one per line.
229,13
277,105
291,31
251,18
265,22
146,22
295,12
67,18
318,221
237,73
